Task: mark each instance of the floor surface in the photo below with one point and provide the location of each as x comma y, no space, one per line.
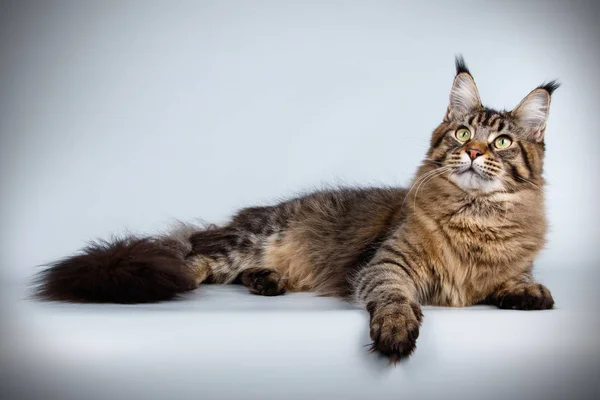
220,342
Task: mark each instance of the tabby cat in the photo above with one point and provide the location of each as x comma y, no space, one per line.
467,232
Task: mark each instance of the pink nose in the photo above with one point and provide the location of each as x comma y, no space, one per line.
474,153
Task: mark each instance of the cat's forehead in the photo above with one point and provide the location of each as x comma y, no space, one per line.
488,121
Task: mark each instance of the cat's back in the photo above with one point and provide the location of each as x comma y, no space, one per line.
329,209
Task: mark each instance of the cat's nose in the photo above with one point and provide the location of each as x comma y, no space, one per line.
474,152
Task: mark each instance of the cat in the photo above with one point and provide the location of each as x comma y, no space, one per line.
466,232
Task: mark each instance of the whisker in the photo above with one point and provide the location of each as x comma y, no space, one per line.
492,166
531,183
432,161
457,164
424,182
420,179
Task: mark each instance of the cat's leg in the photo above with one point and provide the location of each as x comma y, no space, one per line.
259,280
522,293
388,291
200,266
263,281
229,255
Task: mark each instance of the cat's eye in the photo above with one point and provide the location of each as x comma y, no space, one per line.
463,134
502,142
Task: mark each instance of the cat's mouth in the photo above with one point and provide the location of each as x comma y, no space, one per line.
470,178
472,169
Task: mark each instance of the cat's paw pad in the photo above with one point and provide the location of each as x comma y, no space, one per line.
394,329
264,282
534,296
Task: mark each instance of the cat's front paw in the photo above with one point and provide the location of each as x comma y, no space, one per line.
395,328
533,296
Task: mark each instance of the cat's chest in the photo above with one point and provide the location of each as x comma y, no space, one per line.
491,230
479,248
483,237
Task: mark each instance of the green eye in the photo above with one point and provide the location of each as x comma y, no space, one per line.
463,134
502,142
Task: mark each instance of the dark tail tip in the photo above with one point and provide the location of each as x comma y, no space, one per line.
128,270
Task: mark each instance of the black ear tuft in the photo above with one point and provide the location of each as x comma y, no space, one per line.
550,87
461,65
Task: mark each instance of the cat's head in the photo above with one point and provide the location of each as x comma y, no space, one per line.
487,150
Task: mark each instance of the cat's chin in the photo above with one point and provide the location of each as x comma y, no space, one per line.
471,180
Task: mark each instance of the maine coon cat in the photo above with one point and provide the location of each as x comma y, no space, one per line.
467,232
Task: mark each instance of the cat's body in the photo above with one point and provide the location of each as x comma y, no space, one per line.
467,232
317,242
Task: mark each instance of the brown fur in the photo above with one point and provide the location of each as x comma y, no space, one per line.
466,232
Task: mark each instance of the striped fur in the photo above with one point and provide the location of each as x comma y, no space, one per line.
466,232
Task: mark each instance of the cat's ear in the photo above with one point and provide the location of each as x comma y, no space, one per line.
532,112
464,96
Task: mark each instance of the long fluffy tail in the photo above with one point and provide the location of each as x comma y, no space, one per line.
127,270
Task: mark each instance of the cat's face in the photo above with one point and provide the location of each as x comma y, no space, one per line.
486,150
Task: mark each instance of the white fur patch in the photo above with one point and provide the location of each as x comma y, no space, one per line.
470,180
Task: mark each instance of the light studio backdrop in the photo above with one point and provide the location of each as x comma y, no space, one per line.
122,116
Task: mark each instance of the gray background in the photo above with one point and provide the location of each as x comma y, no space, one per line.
124,115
